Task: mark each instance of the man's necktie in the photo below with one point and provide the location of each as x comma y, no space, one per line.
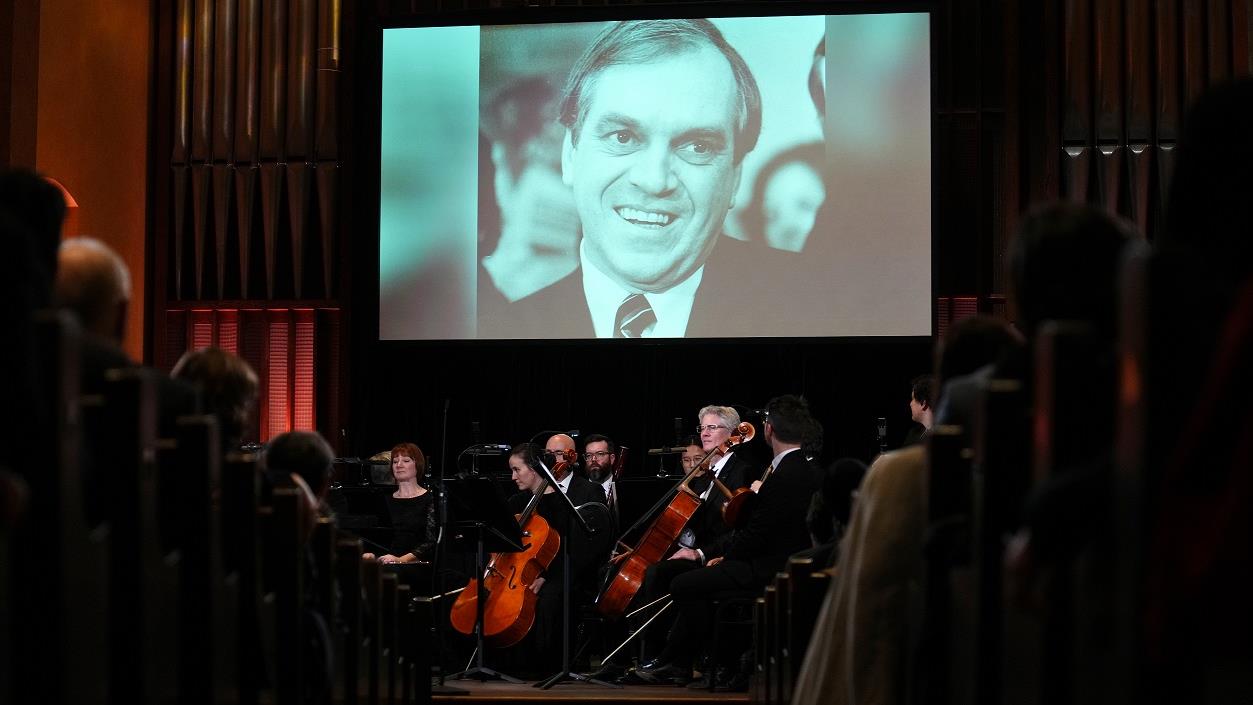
634,317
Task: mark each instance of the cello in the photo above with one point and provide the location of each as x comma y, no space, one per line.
509,609
661,536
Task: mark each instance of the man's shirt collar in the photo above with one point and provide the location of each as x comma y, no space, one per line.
673,307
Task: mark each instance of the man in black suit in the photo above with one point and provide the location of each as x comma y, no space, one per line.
652,181
750,556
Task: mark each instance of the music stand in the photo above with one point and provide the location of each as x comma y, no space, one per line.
481,522
572,514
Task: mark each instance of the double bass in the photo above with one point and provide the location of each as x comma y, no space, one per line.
661,536
509,610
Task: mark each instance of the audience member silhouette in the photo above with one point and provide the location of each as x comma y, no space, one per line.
1198,447
228,388
869,624
31,211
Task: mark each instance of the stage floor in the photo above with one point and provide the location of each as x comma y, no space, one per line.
499,692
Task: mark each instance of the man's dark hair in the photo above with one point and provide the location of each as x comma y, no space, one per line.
920,388
692,440
645,41
228,387
789,416
37,208
1064,266
971,343
597,438
304,453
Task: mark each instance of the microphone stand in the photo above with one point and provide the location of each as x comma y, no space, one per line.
571,512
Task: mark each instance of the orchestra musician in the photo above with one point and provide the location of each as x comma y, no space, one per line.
749,557
541,649
706,533
410,509
600,455
563,450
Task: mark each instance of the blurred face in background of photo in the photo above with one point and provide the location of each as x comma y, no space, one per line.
792,199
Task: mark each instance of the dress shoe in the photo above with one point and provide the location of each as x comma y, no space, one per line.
721,679
736,683
663,674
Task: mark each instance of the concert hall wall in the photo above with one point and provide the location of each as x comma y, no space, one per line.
262,234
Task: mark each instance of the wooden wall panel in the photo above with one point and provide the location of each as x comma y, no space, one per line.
222,221
202,80
247,82
327,195
304,367
326,115
1165,164
245,211
271,195
178,234
1076,168
276,411
1077,59
181,109
200,223
299,185
302,69
1241,33
1138,66
1168,65
1109,162
1193,50
1218,40
1108,69
273,65
1139,192
224,27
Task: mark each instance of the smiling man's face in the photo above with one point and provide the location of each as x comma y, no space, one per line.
654,172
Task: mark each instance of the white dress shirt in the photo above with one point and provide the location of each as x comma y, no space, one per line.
604,295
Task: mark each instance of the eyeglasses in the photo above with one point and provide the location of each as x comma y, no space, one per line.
593,455
711,427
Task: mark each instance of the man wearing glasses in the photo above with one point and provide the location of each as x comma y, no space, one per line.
599,456
705,532
562,448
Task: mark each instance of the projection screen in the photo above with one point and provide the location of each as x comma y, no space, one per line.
722,178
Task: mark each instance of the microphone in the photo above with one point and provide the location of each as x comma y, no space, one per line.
678,429
883,434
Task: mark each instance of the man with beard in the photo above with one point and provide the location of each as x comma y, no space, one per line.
600,454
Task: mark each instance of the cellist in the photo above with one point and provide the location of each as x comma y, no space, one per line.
706,532
544,641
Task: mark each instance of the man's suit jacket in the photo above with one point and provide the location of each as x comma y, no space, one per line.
711,531
734,293
776,528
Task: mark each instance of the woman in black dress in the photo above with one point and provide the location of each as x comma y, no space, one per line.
411,509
